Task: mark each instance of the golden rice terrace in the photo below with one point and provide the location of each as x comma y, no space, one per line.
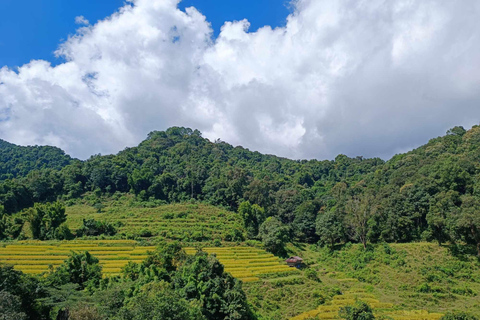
245,263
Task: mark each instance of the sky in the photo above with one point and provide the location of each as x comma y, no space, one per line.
301,79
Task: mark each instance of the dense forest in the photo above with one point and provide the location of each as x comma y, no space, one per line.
430,193
17,161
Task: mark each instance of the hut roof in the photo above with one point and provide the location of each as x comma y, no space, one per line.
294,259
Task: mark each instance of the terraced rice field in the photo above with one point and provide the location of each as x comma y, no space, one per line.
174,221
36,257
245,263
330,309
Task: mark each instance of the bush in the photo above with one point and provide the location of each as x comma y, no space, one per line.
234,235
312,275
146,233
85,312
359,311
458,316
63,233
91,227
80,268
11,307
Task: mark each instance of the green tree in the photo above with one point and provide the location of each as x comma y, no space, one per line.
61,298
11,307
304,222
44,219
3,223
80,268
329,228
202,278
468,222
274,235
23,288
253,216
359,311
168,256
441,213
158,301
359,211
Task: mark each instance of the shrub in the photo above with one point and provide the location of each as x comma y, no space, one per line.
168,216
146,233
91,227
63,233
11,306
234,235
359,311
80,268
458,316
85,312
312,275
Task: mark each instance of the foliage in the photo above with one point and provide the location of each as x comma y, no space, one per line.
359,311
20,293
159,301
17,161
80,268
45,219
91,227
10,307
203,278
429,193
312,275
329,228
458,316
274,235
253,216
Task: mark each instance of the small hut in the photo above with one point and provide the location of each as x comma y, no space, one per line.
294,262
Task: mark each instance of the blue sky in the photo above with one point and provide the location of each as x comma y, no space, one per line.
33,29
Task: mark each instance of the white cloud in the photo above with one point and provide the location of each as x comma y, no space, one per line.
356,77
81,20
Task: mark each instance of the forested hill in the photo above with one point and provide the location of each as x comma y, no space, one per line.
18,161
428,193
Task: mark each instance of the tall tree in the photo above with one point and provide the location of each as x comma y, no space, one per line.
253,216
359,211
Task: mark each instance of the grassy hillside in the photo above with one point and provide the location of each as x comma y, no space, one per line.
401,281
411,276
186,222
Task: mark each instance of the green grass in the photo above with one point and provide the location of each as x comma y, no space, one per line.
401,281
185,222
411,276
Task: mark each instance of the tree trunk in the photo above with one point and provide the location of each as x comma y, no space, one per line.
63,314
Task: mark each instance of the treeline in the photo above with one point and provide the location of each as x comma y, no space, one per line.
17,161
430,193
168,285
178,165
47,222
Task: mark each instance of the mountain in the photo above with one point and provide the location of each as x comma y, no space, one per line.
428,193
17,161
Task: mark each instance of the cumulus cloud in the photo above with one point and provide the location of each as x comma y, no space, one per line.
365,78
81,20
